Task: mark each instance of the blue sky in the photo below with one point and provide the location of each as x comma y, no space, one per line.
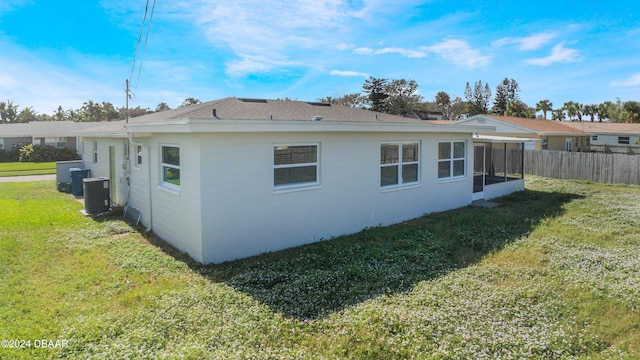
66,52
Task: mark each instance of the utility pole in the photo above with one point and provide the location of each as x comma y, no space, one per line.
126,115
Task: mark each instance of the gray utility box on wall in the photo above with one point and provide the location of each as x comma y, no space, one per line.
96,195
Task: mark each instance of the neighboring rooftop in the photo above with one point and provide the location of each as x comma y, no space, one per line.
539,125
604,127
44,129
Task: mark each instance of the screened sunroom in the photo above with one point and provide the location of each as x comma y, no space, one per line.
498,166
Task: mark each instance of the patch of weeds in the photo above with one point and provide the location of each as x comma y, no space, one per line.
609,272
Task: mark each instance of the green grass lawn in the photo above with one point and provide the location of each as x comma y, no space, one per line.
27,168
553,272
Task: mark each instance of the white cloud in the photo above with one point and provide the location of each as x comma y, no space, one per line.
457,52
532,42
461,54
559,54
348,73
410,53
45,87
259,31
344,46
634,80
9,5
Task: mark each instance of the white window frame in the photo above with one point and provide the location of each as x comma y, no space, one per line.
163,166
451,160
400,164
55,142
294,186
568,144
95,152
138,161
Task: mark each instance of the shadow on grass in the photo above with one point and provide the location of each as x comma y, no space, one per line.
311,281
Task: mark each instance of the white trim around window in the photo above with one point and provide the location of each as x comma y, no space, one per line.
296,166
452,160
170,167
138,157
95,152
399,164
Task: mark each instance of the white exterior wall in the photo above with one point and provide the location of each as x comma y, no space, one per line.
101,168
176,215
139,180
501,189
242,215
613,139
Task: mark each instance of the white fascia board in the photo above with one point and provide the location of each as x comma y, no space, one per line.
253,126
118,135
502,139
565,134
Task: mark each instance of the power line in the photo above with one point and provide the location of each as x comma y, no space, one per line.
146,39
127,90
142,32
135,55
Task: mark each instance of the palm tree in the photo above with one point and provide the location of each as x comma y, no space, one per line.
591,110
570,108
8,111
557,114
59,115
544,106
603,110
27,114
579,111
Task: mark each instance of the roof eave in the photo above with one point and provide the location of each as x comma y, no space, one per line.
200,125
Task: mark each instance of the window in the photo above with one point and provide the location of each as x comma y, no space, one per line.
568,144
623,140
452,159
1,144
399,163
95,152
594,138
170,166
138,155
56,142
295,165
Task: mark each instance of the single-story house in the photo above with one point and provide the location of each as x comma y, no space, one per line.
237,177
58,134
610,137
552,135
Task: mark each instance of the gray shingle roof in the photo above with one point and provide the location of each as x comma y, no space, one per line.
44,129
259,109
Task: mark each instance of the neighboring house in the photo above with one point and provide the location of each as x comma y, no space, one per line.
553,135
59,134
235,177
610,137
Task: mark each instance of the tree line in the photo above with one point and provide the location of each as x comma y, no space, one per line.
395,96
400,97
89,111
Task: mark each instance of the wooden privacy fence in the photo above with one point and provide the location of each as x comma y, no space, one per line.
597,167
